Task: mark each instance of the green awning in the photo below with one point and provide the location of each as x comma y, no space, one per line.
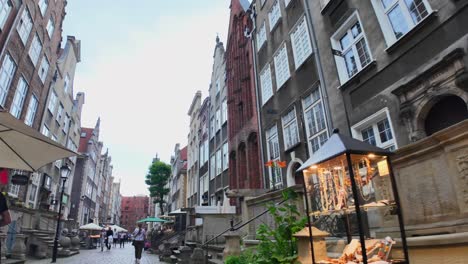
152,220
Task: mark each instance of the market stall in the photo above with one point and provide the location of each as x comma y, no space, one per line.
353,180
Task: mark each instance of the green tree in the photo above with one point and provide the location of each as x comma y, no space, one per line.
157,178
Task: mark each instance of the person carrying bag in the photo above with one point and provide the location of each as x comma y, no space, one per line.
139,236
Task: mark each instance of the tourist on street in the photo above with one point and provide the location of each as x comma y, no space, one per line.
139,236
110,238
5,218
122,239
116,237
103,238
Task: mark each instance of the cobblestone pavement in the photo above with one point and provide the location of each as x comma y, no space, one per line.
95,256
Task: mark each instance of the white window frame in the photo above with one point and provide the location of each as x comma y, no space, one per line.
372,121
32,109
225,156
224,112
281,62
35,49
272,138
336,45
52,102
219,162
212,127
45,131
59,115
218,85
386,24
13,190
66,83
289,127
7,71
212,167
319,135
17,104
266,84
25,26
300,42
44,69
51,27
218,120
287,2
43,4
274,15
5,8
261,36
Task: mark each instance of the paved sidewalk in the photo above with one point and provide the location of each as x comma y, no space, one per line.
95,256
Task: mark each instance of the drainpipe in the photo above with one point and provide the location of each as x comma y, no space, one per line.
323,87
259,116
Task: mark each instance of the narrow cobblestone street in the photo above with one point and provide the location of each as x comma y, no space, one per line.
113,256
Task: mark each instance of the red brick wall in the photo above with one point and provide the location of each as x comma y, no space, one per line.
132,209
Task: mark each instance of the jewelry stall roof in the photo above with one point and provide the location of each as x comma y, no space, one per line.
339,144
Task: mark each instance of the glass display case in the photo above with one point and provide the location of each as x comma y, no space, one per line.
352,195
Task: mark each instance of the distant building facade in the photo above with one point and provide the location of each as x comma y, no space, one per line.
86,179
218,132
193,151
178,180
133,208
203,154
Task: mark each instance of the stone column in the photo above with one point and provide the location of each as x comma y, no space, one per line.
197,256
303,245
19,249
232,247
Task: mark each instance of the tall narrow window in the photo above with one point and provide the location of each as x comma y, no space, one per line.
7,72
212,167
219,167
32,109
50,27
66,123
350,41
59,115
261,36
43,6
265,82
274,15
212,127
18,101
5,8
66,83
290,130
300,40
224,114
45,131
273,152
24,26
44,69
35,49
314,116
218,120
225,156
398,17
52,102
281,66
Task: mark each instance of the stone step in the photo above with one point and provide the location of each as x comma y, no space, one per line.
215,261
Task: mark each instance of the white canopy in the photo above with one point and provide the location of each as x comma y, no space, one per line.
118,228
91,226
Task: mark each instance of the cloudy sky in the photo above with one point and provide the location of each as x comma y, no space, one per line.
142,62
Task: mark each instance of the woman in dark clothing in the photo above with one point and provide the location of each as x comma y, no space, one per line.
110,238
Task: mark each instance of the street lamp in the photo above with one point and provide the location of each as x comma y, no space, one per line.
64,173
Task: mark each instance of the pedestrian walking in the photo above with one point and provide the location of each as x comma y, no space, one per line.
103,238
116,237
110,238
122,240
139,236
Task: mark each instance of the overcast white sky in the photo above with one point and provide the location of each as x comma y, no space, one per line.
142,62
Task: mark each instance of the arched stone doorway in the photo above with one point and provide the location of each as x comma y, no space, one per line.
448,111
292,177
254,168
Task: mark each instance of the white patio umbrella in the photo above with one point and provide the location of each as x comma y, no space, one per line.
23,148
118,228
91,226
